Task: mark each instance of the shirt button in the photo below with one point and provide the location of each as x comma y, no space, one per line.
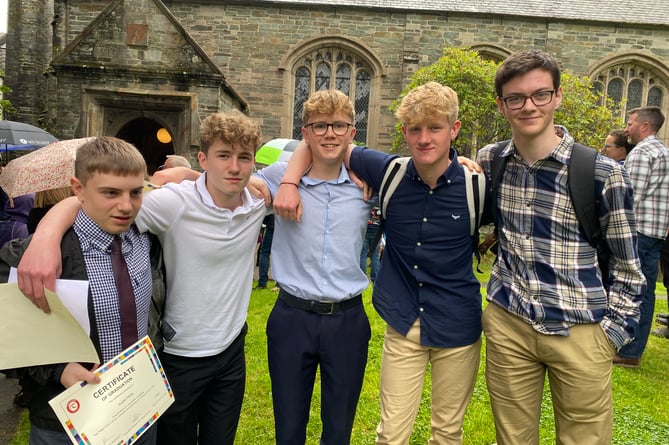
448,181
418,243
430,192
421,309
424,219
415,266
420,284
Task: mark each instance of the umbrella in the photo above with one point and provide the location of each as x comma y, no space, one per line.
46,168
276,150
18,133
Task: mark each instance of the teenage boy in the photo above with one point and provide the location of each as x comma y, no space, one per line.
109,179
549,312
319,318
425,290
208,229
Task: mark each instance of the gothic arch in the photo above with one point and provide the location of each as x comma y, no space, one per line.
635,79
347,61
491,52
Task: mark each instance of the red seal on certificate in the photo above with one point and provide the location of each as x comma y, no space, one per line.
73,406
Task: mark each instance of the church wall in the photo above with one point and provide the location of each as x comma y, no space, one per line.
248,41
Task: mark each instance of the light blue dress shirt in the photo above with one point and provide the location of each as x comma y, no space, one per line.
318,258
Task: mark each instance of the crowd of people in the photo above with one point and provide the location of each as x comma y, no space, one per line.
551,312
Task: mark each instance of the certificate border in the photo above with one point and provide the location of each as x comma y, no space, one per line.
145,345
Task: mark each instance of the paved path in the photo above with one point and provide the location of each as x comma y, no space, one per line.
9,415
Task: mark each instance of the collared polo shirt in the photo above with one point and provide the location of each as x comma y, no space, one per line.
426,269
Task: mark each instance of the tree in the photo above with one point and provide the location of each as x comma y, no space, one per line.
472,78
5,105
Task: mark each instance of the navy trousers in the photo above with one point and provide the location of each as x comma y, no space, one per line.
298,342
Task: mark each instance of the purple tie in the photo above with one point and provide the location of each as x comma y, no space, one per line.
126,296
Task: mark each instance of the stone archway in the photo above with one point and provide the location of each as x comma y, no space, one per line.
143,134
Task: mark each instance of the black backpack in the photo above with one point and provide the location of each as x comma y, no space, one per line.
581,183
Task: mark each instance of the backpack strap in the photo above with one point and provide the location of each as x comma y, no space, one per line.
475,187
581,183
498,164
391,179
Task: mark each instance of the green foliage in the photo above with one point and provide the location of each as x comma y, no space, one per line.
587,121
6,107
472,78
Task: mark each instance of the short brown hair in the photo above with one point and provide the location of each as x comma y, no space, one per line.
106,154
652,115
327,102
429,101
523,62
232,127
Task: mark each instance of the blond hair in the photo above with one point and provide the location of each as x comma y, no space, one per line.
46,198
428,102
106,154
327,102
232,127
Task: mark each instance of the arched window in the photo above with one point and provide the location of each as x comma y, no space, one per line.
632,85
333,68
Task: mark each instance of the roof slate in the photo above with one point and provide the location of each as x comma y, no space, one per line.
652,12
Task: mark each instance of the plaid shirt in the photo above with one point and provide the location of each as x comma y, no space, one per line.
546,272
648,168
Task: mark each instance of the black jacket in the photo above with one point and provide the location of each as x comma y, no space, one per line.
42,383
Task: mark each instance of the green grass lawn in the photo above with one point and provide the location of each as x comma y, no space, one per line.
640,395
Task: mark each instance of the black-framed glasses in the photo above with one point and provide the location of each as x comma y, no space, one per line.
320,128
538,99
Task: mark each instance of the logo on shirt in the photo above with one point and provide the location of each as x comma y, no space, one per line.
455,217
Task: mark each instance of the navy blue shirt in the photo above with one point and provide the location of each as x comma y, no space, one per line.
426,269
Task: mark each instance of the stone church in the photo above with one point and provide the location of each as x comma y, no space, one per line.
150,70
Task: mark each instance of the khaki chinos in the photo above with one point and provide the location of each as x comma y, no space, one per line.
403,368
579,368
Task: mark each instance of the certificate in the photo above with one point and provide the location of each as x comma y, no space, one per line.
132,394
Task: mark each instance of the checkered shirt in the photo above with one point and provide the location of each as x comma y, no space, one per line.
95,246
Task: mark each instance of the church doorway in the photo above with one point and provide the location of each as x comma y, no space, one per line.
151,139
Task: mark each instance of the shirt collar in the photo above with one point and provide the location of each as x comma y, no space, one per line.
449,174
343,177
561,152
92,234
205,196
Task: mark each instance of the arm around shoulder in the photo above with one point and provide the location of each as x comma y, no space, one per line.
41,263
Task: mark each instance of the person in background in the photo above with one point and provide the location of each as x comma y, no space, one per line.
663,319
549,312
172,161
616,146
372,239
44,200
265,251
648,168
17,210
